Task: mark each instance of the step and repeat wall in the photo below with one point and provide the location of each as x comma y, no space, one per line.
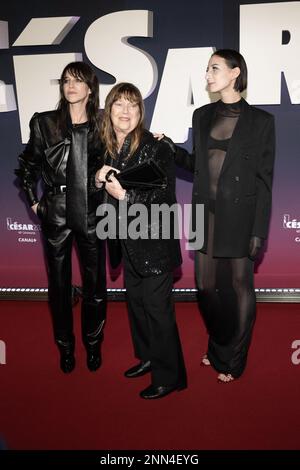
163,47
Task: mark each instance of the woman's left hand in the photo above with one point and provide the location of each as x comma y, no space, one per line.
254,247
166,140
158,136
114,188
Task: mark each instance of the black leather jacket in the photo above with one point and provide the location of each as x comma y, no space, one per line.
46,155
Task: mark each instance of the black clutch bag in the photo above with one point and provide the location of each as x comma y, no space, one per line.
146,175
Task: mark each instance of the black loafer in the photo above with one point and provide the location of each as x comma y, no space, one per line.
152,392
137,371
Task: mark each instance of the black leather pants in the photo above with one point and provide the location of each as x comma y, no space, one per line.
91,252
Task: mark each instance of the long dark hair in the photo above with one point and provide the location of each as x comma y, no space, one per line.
235,59
131,93
85,73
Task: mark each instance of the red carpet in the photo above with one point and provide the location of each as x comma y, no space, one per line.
41,408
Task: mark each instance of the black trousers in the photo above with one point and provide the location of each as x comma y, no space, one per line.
58,240
153,324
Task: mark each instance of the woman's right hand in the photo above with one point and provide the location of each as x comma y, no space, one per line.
100,176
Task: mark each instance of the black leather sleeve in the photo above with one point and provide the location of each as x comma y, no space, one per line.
30,161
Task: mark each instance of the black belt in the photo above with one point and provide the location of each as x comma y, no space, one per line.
57,189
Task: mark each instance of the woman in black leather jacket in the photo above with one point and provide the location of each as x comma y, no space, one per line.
63,150
149,259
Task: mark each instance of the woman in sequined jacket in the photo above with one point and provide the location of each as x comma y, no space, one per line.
148,262
63,149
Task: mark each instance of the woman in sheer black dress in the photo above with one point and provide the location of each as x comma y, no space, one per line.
232,161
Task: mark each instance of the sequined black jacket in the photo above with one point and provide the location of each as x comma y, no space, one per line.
156,254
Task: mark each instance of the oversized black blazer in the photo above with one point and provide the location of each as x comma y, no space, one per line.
244,194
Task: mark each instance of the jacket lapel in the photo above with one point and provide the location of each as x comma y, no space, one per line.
205,126
239,137
201,136
57,153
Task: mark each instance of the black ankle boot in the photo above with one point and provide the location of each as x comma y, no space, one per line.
93,358
92,342
67,358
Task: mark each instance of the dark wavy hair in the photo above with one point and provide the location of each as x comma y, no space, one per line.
108,136
235,59
84,72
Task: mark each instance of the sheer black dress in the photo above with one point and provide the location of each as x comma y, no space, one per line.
226,290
